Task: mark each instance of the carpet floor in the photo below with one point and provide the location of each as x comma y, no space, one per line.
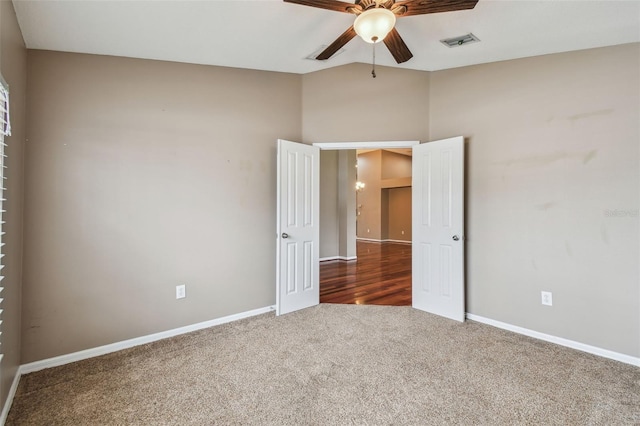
336,365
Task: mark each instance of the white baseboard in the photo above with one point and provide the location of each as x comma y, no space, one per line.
397,241
326,259
12,393
103,350
372,240
113,347
627,359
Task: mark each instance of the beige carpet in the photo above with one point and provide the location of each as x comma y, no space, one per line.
336,365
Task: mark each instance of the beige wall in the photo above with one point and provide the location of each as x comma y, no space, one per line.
13,65
395,165
347,203
337,204
346,104
552,146
385,210
144,175
369,200
395,172
399,217
329,228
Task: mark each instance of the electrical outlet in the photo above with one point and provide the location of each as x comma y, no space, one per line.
368,230
402,232
181,291
547,298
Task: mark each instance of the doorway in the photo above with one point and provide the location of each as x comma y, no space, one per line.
437,227
377,270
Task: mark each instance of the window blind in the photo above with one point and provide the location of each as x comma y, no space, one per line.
5,130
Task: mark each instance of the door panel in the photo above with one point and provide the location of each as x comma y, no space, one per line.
438,221
298,227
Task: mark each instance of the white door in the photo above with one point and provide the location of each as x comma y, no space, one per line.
438,234
298,227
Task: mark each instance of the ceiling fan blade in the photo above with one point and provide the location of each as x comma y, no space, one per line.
397,47
338,6
423,7
337,45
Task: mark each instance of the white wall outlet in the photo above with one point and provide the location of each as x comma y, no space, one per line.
181,291
547,298
368,230
402,232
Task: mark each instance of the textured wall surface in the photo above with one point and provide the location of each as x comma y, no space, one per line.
552,190
143,175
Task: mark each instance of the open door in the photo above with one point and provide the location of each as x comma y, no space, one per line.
298,227
438,222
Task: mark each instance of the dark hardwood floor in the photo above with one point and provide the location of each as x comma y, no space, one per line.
380,276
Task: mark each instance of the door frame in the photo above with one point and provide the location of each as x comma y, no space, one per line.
337,146
334,146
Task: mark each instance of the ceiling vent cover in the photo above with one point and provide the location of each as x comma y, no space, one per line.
460,40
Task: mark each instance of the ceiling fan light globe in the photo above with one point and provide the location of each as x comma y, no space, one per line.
373,25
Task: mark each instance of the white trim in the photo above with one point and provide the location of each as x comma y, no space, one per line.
371,240
397,241
326,259
368,240
366,145
12,393
605,353
125,344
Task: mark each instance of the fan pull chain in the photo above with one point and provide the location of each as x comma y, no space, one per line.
373,70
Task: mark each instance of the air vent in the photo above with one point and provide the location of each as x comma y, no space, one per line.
460,40
320,49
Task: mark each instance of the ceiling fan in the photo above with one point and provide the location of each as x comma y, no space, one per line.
376,19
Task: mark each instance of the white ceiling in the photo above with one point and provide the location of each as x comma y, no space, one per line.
277,36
